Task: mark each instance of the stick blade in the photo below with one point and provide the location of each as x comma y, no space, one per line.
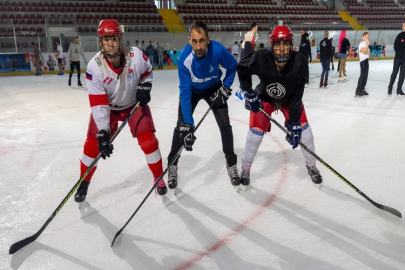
115,237
392,211
20,244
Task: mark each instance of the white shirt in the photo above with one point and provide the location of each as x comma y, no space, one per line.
235,49
106,92
363,56
60,51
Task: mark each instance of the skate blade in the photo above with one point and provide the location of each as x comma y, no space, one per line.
236,188
82,205
318,186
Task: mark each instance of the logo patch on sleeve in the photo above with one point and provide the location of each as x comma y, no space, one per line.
145,57
132,54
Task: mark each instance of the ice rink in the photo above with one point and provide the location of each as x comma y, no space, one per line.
282,222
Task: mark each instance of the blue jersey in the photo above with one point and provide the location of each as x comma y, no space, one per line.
199,75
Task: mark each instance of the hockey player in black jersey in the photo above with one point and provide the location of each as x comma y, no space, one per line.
282,73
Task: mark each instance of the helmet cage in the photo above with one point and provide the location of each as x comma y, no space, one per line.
114,37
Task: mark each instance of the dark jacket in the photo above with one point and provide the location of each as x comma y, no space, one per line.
285,87
399,46
305,47
325,48
344,46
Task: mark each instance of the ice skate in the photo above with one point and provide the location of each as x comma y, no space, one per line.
358,93
245,178
400,93
161,188
340,79
79,83
172,178
315,174
81,192
325,83
364,92
70,82
233,175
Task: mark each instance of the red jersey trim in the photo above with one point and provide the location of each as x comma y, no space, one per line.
147,73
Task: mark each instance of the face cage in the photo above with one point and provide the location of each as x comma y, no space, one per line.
120,45
282,58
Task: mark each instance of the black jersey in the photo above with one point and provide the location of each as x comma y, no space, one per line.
279,87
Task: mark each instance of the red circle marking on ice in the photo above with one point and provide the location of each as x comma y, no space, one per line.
247,222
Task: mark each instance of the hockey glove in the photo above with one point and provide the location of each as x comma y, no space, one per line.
220,96
187,137
295,134
106,149
143,93
253,102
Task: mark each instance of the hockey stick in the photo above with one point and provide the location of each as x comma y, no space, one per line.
383,207
157,182
20,244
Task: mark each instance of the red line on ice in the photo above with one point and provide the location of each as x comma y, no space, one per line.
247,222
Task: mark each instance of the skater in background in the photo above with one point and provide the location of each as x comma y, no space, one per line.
399,61
59,55
75,50
305,49
325,48
364,51
343,50
160,50
37,53
200,78
282,74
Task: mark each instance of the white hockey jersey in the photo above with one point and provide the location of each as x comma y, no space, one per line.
106,92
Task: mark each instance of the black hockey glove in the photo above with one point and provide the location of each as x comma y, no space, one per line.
106,149
295,134
187,137
220,96
143,93
253,102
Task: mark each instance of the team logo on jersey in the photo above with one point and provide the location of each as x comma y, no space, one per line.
275,90
98,61
211,69
324,43
132,54
131,73
108,80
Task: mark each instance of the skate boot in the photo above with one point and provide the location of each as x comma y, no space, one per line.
70,82
340,79
79,83
245,177
399,92
358,93
172,178
233,174
364,92
161,188
321,83
315,174
389,91
81,192
325,84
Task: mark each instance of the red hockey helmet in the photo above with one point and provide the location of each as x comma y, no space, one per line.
281,33
110,29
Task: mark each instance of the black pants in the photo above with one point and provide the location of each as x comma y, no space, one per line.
361,85
72,69
222,117
398,64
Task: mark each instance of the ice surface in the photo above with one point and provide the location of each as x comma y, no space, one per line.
282,222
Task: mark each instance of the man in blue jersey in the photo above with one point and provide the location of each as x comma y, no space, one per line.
200,78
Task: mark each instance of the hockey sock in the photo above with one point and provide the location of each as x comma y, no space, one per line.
253,140
307,138
150,146
90,152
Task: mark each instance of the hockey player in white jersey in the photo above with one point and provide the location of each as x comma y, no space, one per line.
117,78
